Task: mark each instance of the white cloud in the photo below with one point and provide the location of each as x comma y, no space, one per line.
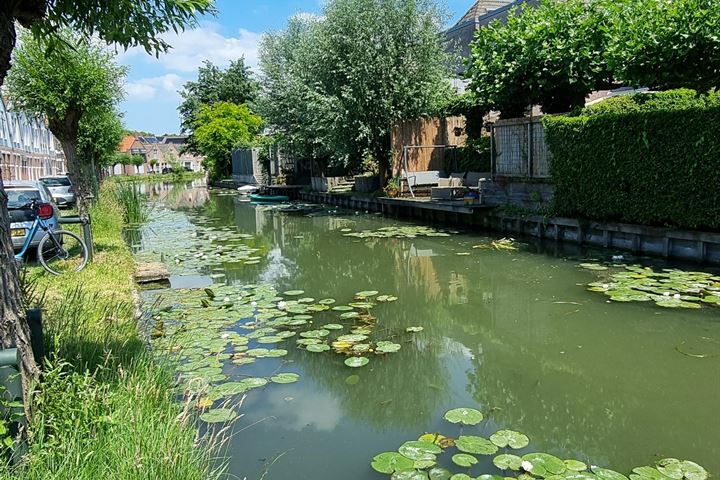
148,88
192,47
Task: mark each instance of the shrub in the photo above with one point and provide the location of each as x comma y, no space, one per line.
666,44
669,100
639,160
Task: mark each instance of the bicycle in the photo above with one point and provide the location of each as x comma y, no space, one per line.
59,251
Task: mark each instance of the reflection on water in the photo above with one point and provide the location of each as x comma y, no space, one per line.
514,333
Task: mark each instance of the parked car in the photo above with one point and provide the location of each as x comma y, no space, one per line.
20,193
61,190
166,170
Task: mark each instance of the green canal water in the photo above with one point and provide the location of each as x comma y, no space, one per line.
515,334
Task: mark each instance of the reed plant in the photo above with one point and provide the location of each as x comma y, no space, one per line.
133,203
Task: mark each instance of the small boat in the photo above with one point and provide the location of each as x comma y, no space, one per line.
248,189
269,198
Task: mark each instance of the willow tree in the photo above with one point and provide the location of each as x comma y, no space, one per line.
355,71
124,22
74,82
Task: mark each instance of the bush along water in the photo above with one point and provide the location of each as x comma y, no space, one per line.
648,159
511,456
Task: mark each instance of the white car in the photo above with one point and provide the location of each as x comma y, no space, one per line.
20,194
61,190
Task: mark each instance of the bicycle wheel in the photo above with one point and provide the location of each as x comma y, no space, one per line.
62,252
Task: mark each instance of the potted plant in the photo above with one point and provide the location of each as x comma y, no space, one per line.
392,189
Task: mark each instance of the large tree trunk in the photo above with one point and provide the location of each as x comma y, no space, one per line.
14,330
80,175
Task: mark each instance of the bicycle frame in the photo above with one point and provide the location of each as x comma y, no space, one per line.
37,223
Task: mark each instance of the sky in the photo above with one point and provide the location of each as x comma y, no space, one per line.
152,84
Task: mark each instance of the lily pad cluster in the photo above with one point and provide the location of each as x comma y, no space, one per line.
400,232
205,329
422,459
667,288
197,247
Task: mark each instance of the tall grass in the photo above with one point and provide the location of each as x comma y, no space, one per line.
133,203
105,408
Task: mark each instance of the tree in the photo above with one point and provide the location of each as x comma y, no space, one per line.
153,163
138,161
292,103
666,45
124,22
234,85
77,81
98,137
364,65
219,129
550,55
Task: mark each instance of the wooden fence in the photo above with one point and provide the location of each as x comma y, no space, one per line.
428,142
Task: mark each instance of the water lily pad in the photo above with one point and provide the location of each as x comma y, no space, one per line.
285,378
258,352
507,461
475,444
352,379
333,326
342,308
226,390
356,362
464,460
461,476
254,382
327,301
439,473
387,347
414,329
575,465
308,341
293,293
386,298
544,464
509,438
411,474
243,361
677,469
318,348
218,415
348,315
315,333
465,416
353,338
606,474
390,462
419,450
366,293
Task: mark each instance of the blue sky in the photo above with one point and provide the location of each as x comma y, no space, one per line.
152,83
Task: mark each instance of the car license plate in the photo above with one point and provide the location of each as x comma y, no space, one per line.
17,232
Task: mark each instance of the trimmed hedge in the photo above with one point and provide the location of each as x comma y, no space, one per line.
649,166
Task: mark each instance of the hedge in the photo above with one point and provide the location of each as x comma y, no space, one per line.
650,166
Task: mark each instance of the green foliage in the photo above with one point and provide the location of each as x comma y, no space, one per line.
474,156
125,22
642,102
549,55
336,84
220,128
666,44
234,85
132,203
657,166
75,83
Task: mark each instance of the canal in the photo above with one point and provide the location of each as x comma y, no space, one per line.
509,329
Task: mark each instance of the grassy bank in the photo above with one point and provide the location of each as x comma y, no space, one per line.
104,409
157,177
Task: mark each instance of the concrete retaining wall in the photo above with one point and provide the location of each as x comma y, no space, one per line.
664,242
530,195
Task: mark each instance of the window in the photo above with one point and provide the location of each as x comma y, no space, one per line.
56,181
18,197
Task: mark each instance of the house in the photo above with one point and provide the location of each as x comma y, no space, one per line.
159,152
28,150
